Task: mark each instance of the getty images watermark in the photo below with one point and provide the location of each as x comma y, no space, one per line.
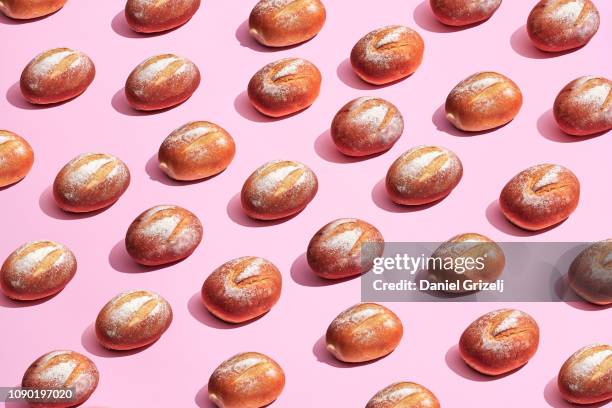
470,271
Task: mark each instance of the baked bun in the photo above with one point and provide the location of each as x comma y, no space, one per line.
463,12
284,87
145,16
16,158
163,234
56,75
366,125
161,82
62,369
246,380
404,395
242,289
561,25
343,248
133,319
422,175
90,182
195,151
483,101
540,196
486,265
37,270
280,23
586,377
363,332
499,341
278,189
387,54
27,9
590,274
584,106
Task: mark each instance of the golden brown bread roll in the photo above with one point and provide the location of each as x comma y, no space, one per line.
90,182
499,341
422,175
195,151
161,82
242,289
146,16
16,158
278,189
133,319
336,251
483,101
280,23
163,234
37,270
540,196
56,75
364,332
387,54
27,9
586,377
284,87
560,25
62,369
366,125
404,395
590,274
486,265
246,380
463,12
584,106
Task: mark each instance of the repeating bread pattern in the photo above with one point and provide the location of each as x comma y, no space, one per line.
247,287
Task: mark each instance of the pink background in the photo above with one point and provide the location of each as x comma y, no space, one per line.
174,371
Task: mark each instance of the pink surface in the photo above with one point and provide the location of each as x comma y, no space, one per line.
174,371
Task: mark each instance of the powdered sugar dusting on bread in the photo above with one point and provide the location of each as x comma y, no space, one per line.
28,263
414,167
584,364
58,373
86,170
395,393
151,70
510,322
288,69
5,137
269,181
252,269
163,227
45,65
477,83
567,11
550,177
356,315
394,35
594,95
126,310
587,365
344,241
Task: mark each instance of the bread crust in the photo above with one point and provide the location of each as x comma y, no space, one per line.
152,17
459,13
586,376
28,9
590,274
16,158
404,395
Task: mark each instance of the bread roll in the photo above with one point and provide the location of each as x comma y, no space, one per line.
145,16
343,248
56,75
404,395
278,189
16,158
284,87
246,380
242,289
163,234
463,12
540,196
90,182
195,151
584,106
161,82
387,54
586,377
560,25
280,23
27,9
483,101
37,270
422,175
133,319
499,341
590,274
364,332
366,125
62,369
475,258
